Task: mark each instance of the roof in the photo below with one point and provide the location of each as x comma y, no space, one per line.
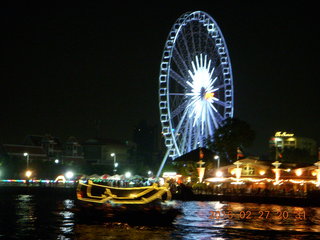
18,150
103,141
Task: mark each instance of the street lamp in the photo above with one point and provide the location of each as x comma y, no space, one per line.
27,155
69,175
115,164
28,173
216,157
127,174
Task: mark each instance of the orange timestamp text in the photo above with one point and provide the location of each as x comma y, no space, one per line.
258,215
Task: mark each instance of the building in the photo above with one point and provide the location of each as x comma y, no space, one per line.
284,140
99,151
69,151
251,173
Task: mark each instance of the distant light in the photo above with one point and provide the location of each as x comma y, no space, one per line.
28,173
216,157
127,174
219,174
149,172
262,172
116,164
56,161
169,174
112,154
25,154
69,174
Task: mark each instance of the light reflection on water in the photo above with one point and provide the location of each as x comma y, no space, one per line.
48,217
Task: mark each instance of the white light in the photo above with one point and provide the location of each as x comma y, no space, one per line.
216,157
116,164
127,174
28,173
169,174
25,154
56,161
219,174
112,154
149,172
202,92
69,175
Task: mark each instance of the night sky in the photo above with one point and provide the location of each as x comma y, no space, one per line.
63,68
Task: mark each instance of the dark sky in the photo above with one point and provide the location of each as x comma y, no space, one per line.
63,68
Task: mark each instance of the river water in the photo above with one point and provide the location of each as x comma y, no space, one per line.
53,217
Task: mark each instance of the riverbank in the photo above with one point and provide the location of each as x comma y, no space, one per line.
312,199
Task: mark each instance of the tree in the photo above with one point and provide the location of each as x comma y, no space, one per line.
293,155
232,134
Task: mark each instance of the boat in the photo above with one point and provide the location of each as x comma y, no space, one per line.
135,204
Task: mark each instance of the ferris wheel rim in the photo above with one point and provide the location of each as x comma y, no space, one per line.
165,106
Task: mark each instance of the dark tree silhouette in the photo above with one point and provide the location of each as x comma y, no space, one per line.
232,134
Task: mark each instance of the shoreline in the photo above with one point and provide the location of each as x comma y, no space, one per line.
312,200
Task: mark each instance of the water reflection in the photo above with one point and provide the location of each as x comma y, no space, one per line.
47,217
25,215
66,220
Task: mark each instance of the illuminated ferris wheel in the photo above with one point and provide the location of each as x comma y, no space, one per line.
196,86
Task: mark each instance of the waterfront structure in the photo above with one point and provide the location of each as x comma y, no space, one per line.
255,173
195,84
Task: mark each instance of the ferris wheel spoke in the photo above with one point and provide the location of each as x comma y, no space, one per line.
217,101
218,117
177,130
209,123
179,61
178,78
184,135
187,49
218,87
179,109
199,26
192,37
213,118
177,94
196,140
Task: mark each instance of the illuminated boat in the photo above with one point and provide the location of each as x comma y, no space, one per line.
132,204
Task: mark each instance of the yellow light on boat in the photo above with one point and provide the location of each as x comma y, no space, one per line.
233,171
262,172
314,173
298,172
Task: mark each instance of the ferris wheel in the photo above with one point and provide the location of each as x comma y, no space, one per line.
195,84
